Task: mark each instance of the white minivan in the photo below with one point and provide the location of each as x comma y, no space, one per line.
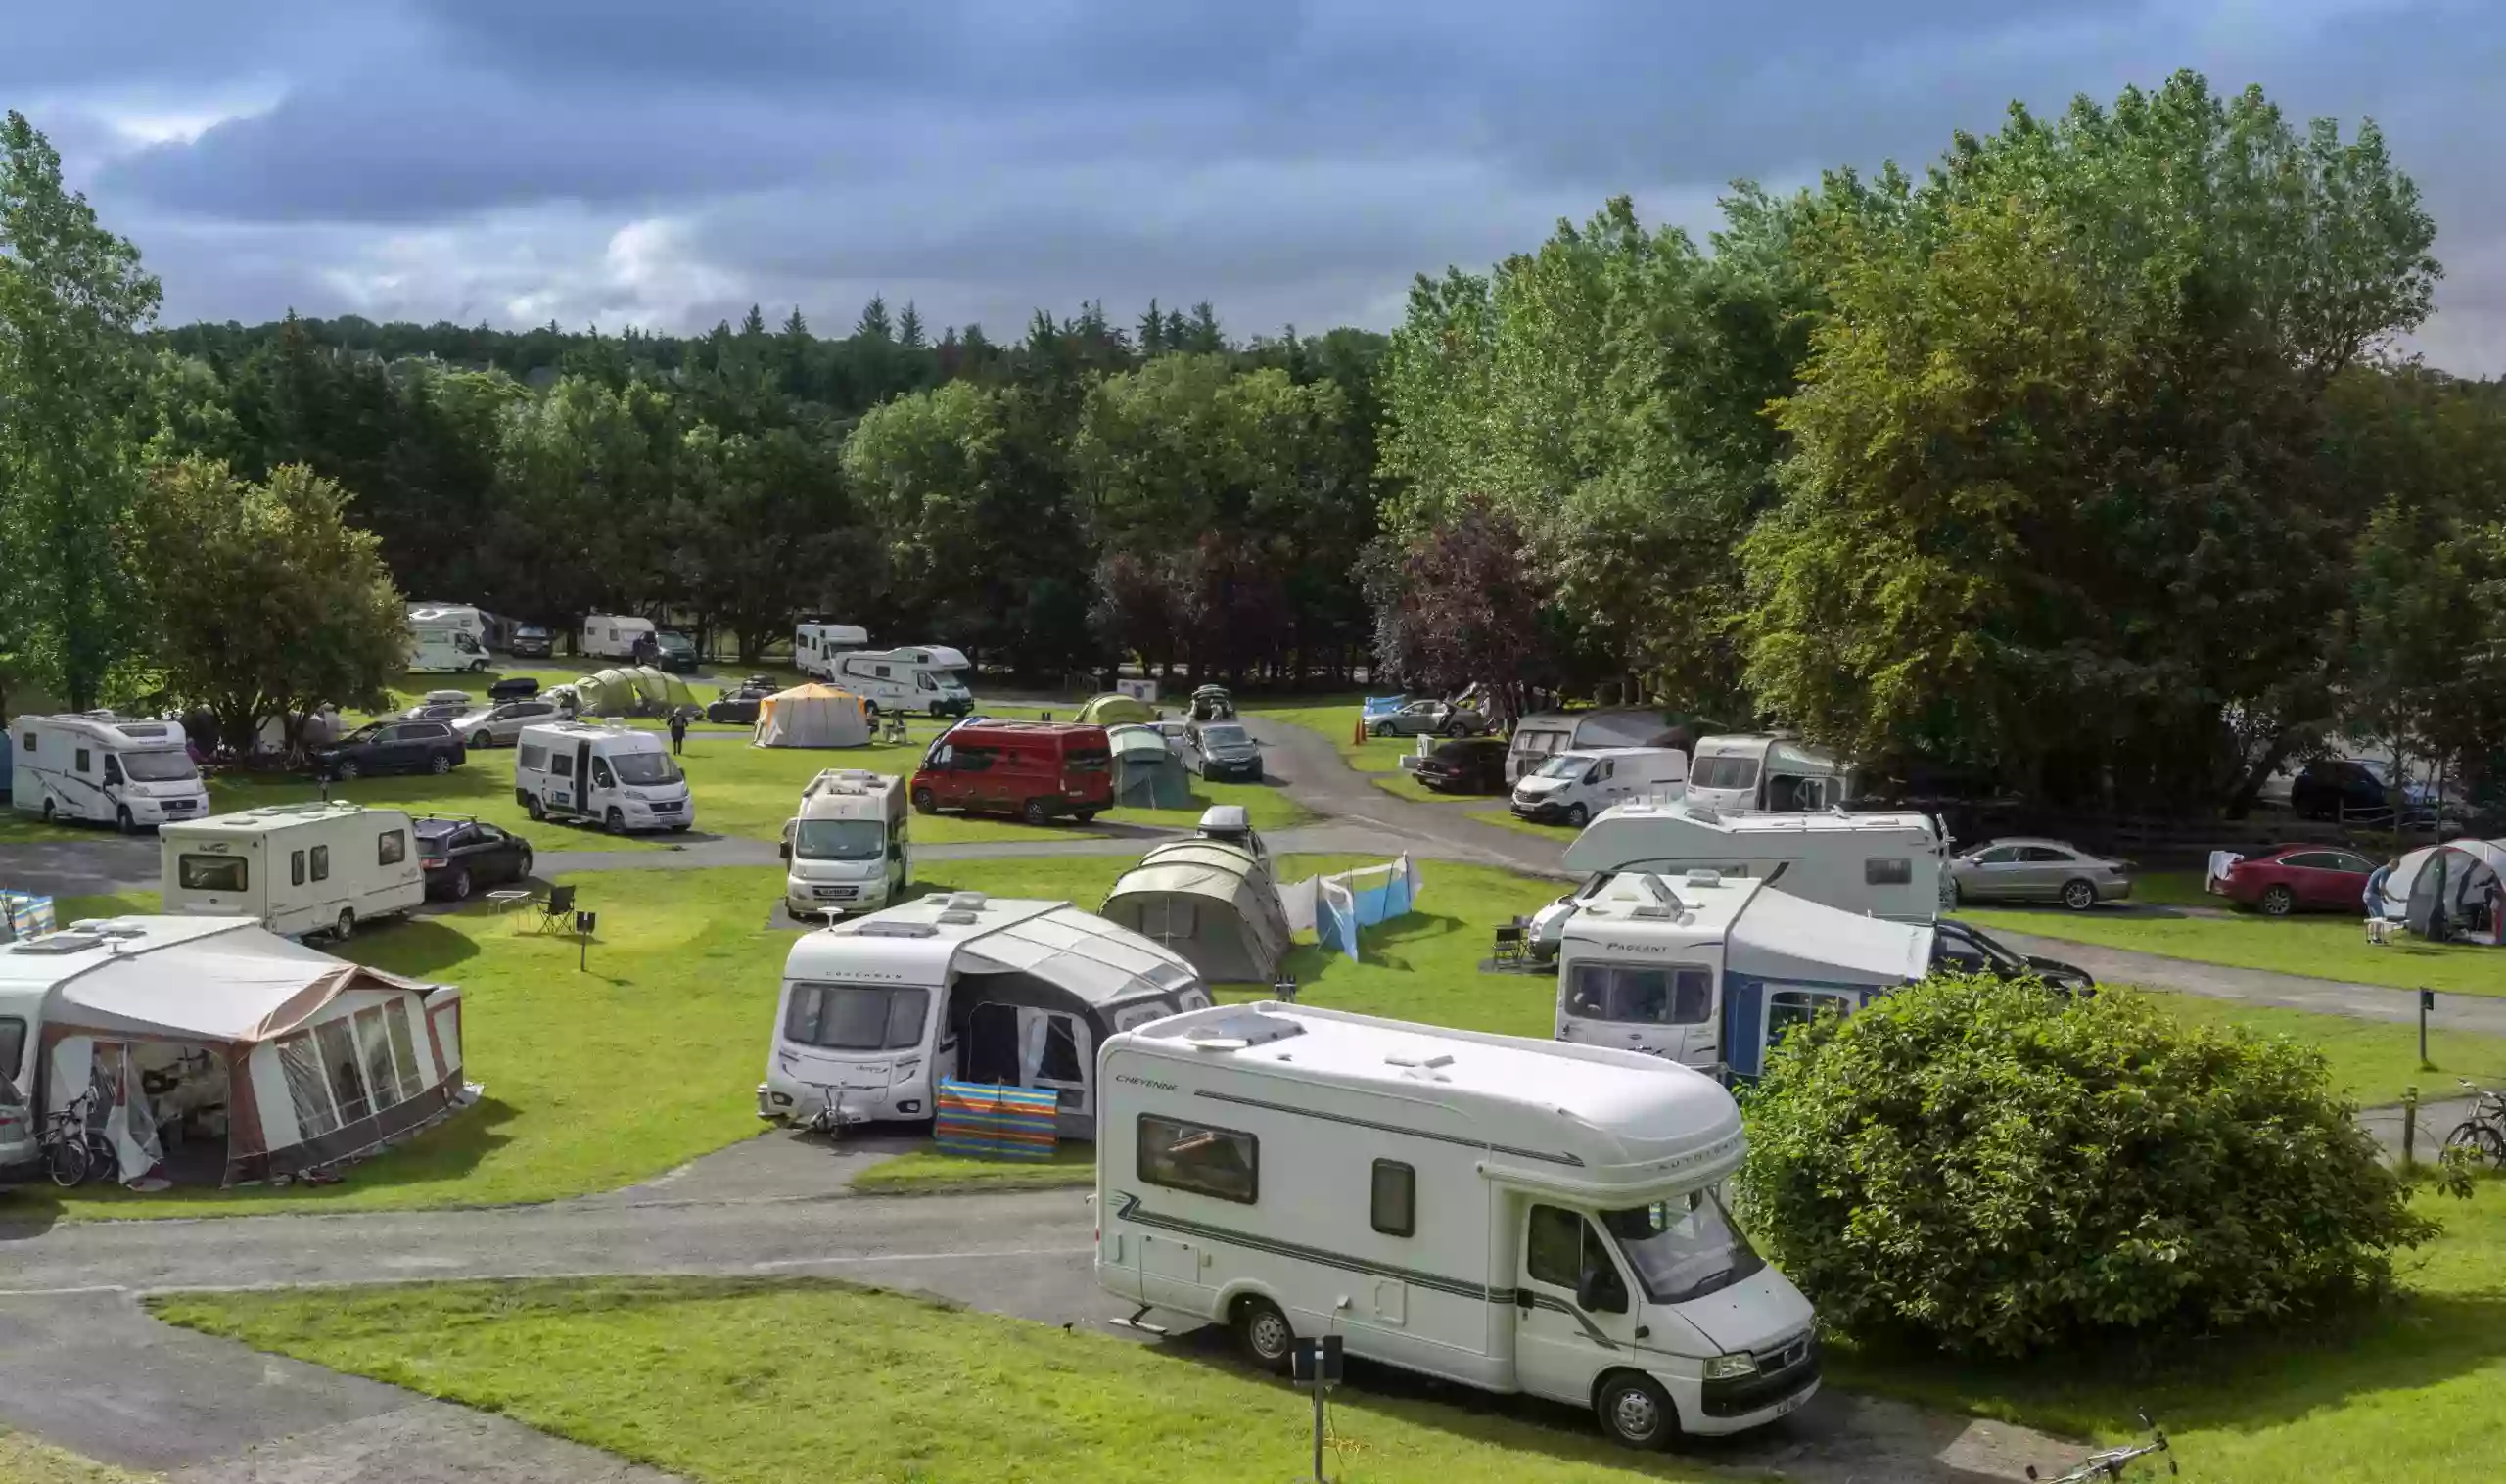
1571,787
615,776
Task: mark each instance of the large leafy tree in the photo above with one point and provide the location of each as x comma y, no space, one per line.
72,298
261,599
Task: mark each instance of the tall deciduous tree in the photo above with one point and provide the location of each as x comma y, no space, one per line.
73,297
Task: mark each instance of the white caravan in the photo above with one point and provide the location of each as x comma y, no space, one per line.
1514,1214
878,1010
845,849
1545,734
1571,787
296,867
93,764
1765,771
928,678
814,646
1886,864
613,635
617,776
1712,970
443,648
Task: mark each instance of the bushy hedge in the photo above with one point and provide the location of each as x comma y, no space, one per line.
2000,1168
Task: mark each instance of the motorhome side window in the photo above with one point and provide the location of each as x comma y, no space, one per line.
562,764
84,765
321,862
1394,1203
532,759
28,741
1195,1157
1887,870
391,847
212,874
1673,995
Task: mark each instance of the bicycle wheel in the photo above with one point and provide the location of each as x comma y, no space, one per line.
2481,1142
65,1160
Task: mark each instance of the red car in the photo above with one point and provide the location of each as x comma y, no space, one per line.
1034,769
2300,878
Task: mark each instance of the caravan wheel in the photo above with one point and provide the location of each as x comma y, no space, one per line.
345,927
1266,1334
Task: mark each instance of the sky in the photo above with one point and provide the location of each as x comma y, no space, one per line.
668,162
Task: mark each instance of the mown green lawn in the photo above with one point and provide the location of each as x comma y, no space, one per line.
2371,1060
927,1170
722,1380
23,1461
1506,818
2326,947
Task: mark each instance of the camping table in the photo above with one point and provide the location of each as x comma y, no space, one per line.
509,898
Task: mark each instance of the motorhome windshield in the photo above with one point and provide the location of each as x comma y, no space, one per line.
951,681
167,766
1684,1248
1564,765
840,840
646,768
851,1017
1723,772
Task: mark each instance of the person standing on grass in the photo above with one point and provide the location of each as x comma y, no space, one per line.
2376,887
678,731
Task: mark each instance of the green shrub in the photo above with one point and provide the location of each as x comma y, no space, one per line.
1995,1167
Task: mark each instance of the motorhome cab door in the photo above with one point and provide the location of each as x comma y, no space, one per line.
1663,1009
1575,1311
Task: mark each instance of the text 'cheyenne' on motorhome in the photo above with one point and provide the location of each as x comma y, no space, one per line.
1514,1215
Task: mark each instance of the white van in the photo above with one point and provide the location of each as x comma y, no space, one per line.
1545,734
1571,787
928,678
94,765
1765,771
815,645
845,849
613,635
1514,1214
621,777
299,867
442,648
1883,865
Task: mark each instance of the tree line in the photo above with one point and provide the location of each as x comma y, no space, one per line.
2079,465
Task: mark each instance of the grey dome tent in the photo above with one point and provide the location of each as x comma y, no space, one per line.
1210,900
1146,772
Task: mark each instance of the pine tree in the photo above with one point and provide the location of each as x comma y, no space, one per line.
910,327
1205,337
1152,331
755,325
873,324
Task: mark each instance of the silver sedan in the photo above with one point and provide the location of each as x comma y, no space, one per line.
2039,870
501,726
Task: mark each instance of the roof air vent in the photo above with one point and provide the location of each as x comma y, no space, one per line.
875,928
965,902
59,943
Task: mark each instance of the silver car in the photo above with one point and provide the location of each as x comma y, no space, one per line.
501,724
2039,870
1422,718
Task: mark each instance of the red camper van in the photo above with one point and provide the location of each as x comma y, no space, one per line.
1034,769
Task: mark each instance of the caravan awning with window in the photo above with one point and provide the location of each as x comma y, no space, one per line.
1212,901
1098,962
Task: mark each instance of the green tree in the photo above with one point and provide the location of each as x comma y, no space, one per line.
909,328
263,600
72,416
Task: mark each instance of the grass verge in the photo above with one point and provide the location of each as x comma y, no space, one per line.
23,1461
727,1379
926,1171
2371,1061
2322,947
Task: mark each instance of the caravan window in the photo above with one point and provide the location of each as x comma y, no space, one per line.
1889,871
847,1017
321,862
1786,1008
296,867
1723,772
12,1045
212,873
391,847
1676,995
1395,1200
340,1069
26,740
1194,1157
307,1088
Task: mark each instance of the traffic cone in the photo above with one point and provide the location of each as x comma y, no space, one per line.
1360,730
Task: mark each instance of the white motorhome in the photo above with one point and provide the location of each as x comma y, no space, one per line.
1571,787
1765,771
440,648
1886,864
296,868
927,678
617,776
815,645
1514,1214
1545,734
613,635
876,1011
846,850
94,765
466,616
1712,970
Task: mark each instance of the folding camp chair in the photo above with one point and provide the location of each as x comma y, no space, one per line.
557,911
1511,947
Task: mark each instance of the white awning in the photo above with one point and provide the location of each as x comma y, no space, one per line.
1785,938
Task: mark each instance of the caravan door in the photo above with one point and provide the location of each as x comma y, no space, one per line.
1671,1010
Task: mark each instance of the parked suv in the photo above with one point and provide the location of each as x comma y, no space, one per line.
2332,788
530,643
677,652
1223,750
390,747
1034,769
501,726
462,855
1464,766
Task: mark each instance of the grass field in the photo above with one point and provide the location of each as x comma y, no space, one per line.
2326,948
2371,1060
23,1461
729,1380
928,1169
1506,818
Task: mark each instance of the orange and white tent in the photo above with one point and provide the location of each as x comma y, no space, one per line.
811,716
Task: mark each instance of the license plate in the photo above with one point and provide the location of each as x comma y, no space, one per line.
835,893
1791,1403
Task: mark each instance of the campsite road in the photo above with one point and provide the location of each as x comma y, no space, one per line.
1316,775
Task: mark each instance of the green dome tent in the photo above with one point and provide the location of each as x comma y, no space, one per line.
1115,710
1146,772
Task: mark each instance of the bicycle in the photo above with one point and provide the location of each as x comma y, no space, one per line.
73,1151
2110,1463
2482,1136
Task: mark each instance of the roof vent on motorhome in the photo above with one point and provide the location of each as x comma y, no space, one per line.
1430,1064
875,928
965,902
1236,1031
957,918
57,942
1704,877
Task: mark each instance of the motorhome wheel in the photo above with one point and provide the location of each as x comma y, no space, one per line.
123,822
47,812
2078,895
923,803
1266,1334
1035,812
1635,1410
613,821
532,805
345,927
440,764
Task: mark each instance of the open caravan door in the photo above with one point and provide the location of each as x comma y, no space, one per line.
1787,960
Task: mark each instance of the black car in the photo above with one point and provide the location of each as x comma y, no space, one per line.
1464,766
738,707
391,747
2343,788
530,643
673,650
514,688
1956,946
463,855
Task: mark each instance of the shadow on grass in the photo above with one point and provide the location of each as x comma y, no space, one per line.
416,947
1379,945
